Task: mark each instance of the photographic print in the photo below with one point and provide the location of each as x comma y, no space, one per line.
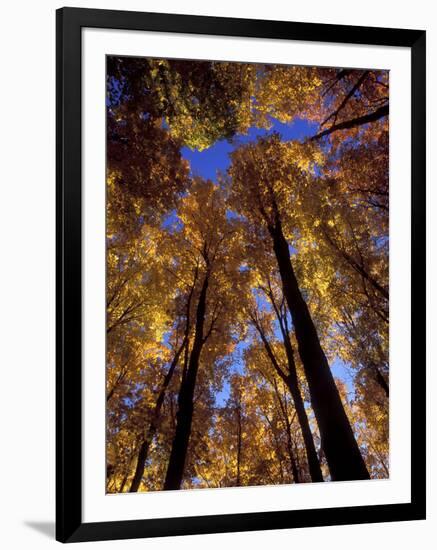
247,274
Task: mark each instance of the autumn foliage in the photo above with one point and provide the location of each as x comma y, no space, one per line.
247,316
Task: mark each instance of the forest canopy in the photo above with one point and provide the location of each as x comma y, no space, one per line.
247,260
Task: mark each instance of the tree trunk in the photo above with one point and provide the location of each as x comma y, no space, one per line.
293,385
239,435
337,438
291,382
147,440
294,468
144,448
287,425
313,461
381,381
123,483
184,416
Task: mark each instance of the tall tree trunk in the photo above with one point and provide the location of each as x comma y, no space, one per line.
287,425
153,426
337,438
291,382
313,461
145,444
239,435
123,483
293,463
278,450
184,416
293,385
381,380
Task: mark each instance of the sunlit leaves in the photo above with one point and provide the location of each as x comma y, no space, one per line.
168,231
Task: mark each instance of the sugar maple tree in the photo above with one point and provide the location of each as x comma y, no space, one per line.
229,302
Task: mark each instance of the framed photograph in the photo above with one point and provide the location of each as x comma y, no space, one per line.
240,275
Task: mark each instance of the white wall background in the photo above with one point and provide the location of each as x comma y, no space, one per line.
27,273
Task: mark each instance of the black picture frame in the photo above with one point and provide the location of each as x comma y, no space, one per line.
69,525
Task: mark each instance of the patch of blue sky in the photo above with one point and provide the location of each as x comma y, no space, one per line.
232,215
223,395
298,128
237,367
381,241
115,90
209,162
262,303
343,372
171,222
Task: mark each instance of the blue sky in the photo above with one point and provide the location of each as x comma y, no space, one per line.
206,163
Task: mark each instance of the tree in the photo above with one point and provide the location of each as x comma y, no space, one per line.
273,405
155,417
350,100
207,236
264,177
199,101
289,376
230,304
345,255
